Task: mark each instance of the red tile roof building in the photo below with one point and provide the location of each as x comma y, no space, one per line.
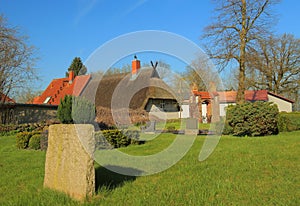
61,87
229,97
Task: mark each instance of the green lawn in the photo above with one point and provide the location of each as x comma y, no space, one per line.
179,124
241,171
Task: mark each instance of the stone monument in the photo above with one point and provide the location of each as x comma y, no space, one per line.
69,166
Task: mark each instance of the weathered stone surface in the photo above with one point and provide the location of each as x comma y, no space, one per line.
69,160
191,126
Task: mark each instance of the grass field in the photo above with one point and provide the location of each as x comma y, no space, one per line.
241,171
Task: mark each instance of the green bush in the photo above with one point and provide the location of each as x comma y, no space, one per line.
171,129
34,142
75,110
23,138
116,138
64,110
289,121
133,135
252,119
83,111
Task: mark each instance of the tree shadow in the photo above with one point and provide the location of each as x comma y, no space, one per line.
111,180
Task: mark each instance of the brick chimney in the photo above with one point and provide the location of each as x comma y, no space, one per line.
136,65
71,77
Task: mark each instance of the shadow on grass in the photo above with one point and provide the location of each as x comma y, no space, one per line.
111,180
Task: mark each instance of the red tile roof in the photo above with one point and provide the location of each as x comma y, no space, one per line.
59,88
6,99
250,95
205,94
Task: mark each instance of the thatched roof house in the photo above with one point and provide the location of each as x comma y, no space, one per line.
141,90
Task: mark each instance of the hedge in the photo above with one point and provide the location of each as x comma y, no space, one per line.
34,142
116,138
289,121
252,119
23,139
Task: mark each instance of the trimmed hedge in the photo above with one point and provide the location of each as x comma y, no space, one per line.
12,129
23,139
289,121
34,142
252,119
106,120
116,138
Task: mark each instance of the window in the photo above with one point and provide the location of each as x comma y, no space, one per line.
47,100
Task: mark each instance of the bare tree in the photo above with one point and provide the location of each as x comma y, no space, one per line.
16,60
275,65
239,23
27,95
200,74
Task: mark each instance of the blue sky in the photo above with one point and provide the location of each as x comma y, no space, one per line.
64,29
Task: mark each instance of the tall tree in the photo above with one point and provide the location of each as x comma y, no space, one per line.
239,23
77,66
16,60
275,66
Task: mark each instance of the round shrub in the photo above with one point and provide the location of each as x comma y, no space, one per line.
34,142
116,138
252,119
22,139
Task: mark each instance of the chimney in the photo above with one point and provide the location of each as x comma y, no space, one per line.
136,65
71,77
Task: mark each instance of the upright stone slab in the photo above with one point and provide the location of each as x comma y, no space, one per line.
150,127
191,126
69,164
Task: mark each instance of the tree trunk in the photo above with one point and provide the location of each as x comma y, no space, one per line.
240,97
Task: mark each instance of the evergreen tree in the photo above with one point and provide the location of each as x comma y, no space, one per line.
77,66
83,111
64,111
76,110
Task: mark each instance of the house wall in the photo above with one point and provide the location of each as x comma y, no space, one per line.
161,114
283,106
185,113
223,108
166,105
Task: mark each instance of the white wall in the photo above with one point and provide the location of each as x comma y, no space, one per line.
204,110
223,108
283,106
185,113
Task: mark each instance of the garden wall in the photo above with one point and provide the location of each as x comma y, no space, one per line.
26,113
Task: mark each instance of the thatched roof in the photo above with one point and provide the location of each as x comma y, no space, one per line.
127,90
